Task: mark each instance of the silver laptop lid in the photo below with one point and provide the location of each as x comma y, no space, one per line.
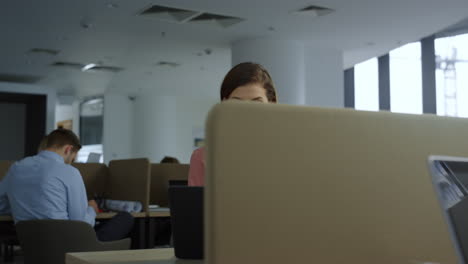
450,180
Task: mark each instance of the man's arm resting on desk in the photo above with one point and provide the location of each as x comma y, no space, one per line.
78,206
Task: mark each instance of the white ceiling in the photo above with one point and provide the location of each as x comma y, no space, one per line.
117,37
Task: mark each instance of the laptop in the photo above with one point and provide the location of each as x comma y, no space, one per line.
93,158
186,204
313,185
450,180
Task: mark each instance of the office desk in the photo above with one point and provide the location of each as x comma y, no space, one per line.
109,215
145,256
159,214
153,217
143,232
6,218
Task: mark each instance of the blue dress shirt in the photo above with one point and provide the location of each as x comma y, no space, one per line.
44,187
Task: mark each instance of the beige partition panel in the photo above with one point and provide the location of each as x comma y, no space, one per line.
130,180
161,174
306,185
4,167
95,177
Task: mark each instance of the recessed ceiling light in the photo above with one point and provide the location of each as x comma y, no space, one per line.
88,67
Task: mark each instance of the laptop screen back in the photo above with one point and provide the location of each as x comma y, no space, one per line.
450,178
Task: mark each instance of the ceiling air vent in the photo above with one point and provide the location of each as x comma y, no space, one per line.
168,13
314,10
14,78
219,20
91,67
49,52
168,64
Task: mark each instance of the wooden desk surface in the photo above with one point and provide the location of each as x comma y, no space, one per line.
144,256
159,214
6,218
112,214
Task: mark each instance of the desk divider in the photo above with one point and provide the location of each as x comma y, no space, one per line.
130,180
161,174
95,177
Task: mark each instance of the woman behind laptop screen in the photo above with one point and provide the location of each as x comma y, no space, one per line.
246,82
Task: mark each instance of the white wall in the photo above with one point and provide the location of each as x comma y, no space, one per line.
12,134
63,112
164,125
284,60
35,89
152,126
324,77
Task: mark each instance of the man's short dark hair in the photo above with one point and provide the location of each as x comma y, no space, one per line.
61,137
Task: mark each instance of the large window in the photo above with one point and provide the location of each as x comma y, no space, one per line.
452,75
91,130
406,79
366,85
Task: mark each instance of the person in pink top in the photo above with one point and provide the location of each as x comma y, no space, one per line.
247,82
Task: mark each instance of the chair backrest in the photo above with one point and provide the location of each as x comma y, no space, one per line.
47,241
4,167
161,174
312,185
130,180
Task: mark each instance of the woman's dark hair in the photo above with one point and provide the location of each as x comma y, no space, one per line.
169,159
247,73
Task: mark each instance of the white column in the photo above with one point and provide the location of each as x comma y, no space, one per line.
325,77
284,60
302,72
155,126
118,127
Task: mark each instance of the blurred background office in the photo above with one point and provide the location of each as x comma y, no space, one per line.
137,78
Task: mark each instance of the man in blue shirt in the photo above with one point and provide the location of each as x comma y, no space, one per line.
46,186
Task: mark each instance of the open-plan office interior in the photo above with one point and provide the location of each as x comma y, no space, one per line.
137,81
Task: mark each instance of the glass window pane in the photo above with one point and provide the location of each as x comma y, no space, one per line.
452,75
406,79
366,85
91,130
